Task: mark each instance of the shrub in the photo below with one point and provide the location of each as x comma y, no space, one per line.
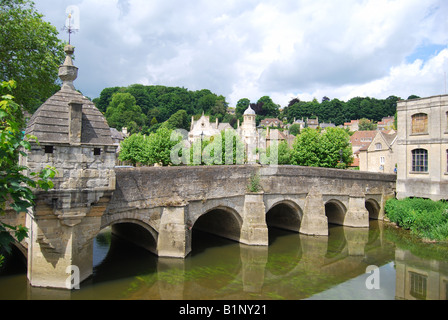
424,218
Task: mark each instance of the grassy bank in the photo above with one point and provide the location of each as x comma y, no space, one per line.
426,219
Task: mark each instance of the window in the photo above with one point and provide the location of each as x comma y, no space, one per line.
97,151
378,146
419,160
49,149
420,123
447,164
382,160
418,285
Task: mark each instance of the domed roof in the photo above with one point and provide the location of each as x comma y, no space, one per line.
51,122
249,111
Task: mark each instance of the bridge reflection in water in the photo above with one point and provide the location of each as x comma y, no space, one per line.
293,266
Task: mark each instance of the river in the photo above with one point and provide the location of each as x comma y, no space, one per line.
381,262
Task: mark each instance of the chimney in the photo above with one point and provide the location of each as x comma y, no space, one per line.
75,122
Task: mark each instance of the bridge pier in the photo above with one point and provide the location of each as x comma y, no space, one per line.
60,249
314,221
254,230
174,235
357,215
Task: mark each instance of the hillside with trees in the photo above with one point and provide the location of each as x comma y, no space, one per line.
144,108
337,111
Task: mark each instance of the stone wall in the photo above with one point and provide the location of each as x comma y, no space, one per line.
433,183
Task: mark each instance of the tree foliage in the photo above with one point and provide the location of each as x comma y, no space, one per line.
159,104
30,52
123,112
338,112
315,149
148,150
16,187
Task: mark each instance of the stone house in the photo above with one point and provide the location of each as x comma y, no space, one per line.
271,122
312,123
352,125
387,123
422,148
379,155
202,128
361,139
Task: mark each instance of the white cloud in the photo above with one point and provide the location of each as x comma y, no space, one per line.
252,48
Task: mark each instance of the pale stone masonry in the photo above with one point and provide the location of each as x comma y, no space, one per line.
422,148
75,138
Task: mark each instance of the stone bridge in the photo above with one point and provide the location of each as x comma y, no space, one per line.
169,202
157,208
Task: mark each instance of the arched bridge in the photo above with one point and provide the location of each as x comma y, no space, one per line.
168,202
157,207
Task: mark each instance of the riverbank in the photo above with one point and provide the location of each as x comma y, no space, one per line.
424,218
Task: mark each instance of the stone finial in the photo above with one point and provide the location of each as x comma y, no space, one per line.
68,72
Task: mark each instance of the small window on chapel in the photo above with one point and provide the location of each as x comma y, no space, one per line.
49,149
97,151
420,123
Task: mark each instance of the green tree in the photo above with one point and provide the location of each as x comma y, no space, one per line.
366,125
314,149
105,98
30,52
306,149
134,150
241,106
283,153
269,108
333,142
225,148
294,129
179,120
159,147
123,112
16,187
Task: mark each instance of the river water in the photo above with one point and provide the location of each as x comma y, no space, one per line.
381,262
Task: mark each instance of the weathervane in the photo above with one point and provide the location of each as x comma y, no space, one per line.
69,28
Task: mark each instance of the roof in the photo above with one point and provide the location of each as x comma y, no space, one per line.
362,138
51,122
249,111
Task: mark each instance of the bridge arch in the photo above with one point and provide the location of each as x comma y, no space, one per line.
222,221
135,231
373,208
335,211
285,214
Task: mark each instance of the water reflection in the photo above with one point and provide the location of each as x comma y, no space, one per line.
293,266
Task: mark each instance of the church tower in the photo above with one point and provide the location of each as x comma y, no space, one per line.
248,133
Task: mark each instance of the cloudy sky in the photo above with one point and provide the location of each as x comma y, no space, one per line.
252,48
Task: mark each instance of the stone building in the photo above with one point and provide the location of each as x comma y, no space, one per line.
422,148
271,122
202,128
249,135
379,155
74,138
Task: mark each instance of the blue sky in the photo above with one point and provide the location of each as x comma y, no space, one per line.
252,48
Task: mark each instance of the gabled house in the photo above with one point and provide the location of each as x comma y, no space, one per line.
379,155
